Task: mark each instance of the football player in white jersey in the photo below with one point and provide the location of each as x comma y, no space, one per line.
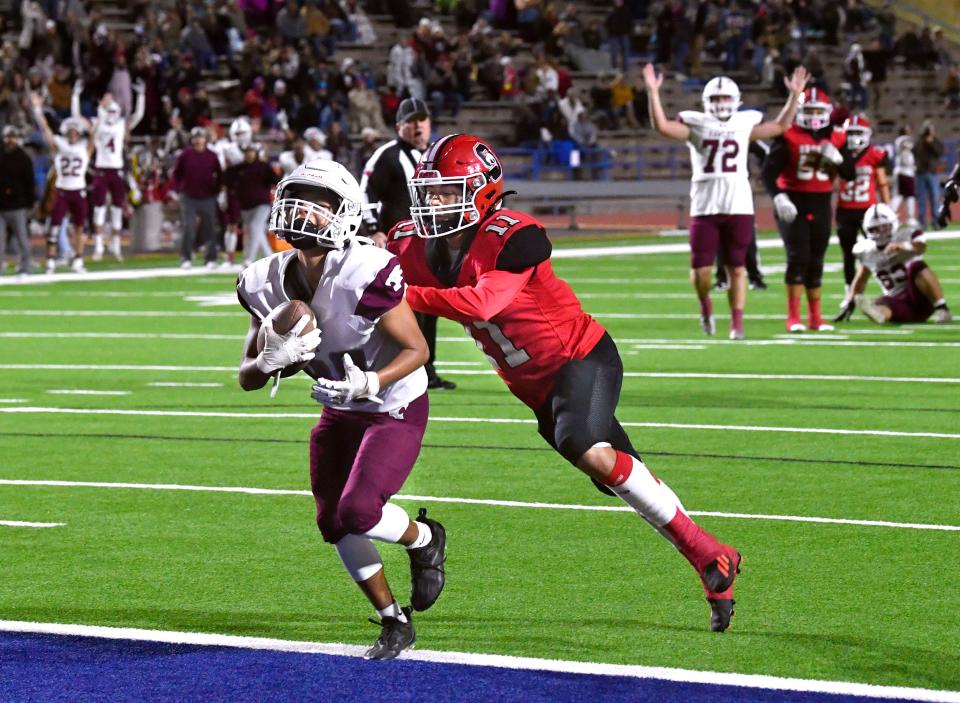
894,254
71,155
721,198
230,152
367,358
110,138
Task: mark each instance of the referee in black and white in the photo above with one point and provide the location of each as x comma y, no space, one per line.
384,186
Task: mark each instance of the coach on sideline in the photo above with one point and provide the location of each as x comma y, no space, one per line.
18,192
197,178
384,183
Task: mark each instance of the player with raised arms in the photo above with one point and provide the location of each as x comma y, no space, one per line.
367,357
71,153
110,136
894,254
799,174
856,196
470,259
721,198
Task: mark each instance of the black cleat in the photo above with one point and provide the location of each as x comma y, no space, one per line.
435,383
722,611
427,575
395,636
758,284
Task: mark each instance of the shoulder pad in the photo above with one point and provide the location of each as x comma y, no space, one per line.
404,228
691,118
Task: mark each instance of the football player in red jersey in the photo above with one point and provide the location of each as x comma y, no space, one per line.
470,259
856,196
798,174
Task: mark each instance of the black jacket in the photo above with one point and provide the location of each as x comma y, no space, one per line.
18,189
384,180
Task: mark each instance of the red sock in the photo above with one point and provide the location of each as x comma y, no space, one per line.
695,543
793,307
813,307
622,468
736,319
706,306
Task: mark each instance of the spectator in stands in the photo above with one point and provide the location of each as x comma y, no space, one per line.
442,88
875,60
364,150
951,88
855,77
177,138
290,23
621,102
197,180
338,141
364,108
18,193
619,24
734,29
927,152
194,40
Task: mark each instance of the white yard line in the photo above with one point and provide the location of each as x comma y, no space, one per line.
34,410
715,678
118,275
485,372
81,391
20,523
245,490
120,335
13,400
120,313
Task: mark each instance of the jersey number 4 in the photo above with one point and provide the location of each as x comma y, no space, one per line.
728,155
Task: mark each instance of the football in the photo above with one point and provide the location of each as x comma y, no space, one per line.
284,317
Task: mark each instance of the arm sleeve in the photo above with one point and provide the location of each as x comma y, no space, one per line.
526,247
493,292
847,170
773,165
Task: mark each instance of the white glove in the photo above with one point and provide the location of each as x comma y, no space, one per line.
78,87
356,384
864,245
222,200
139,86
784,207
283,350
831,153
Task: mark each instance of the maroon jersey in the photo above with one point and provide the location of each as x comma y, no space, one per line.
804,171
527,321
861,193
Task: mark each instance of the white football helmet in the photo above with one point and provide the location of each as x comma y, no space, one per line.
112,113
879,224
72,124
314,134
318,204
721,87
241,133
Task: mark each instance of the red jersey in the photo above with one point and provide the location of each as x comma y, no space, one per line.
527,321
803,171
861,193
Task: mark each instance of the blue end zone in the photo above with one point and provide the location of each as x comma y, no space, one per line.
40,668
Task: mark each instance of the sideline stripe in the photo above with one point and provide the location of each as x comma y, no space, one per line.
35,410
478,501
495,660
18,523
488,372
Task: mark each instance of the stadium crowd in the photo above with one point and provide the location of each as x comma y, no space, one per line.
277,64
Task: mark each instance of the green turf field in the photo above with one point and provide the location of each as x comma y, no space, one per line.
834,600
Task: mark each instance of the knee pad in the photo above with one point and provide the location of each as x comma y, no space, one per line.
53,235
116,219
99,215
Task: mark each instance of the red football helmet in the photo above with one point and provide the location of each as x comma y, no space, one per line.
858,131
814,109
457,182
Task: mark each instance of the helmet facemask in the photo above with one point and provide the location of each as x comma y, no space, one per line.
434,217
813,116
879,224
310,216
858,138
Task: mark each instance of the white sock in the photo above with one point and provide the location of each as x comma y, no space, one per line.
392,611
359,556
425,534
652,499
940,303
393,523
